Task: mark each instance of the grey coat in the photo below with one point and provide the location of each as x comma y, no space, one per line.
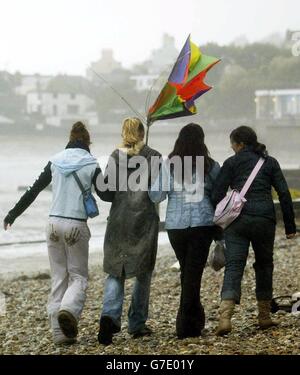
130,243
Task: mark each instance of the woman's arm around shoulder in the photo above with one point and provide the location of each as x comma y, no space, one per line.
211,177
222,182
102,183
159,190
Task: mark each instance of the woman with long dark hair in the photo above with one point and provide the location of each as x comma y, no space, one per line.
255,225
189,221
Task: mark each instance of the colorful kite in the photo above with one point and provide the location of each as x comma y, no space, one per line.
184,86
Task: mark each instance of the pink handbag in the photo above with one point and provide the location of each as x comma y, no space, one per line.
231,206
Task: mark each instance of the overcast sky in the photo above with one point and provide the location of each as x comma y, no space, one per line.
63,36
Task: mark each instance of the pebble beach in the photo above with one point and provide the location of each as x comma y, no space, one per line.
24,328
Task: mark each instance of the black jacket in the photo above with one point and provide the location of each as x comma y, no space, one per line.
234,174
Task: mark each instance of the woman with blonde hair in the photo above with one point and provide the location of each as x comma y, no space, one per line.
67,232
130,243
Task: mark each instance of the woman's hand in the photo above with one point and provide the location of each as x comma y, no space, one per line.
290,236
6,223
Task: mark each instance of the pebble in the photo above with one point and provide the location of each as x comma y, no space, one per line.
25,330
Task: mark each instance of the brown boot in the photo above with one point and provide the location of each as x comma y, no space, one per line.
264,319
226,312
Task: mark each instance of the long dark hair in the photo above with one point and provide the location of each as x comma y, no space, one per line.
246,135
190,142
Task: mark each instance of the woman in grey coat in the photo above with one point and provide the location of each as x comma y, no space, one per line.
130,243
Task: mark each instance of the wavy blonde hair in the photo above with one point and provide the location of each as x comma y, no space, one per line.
133,132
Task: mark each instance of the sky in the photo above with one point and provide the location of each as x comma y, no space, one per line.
64,36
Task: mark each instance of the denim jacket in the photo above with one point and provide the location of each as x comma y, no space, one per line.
182,211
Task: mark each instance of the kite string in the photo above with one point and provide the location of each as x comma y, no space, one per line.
142,117
148,98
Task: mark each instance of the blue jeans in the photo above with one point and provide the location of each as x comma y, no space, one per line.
260,232
114,297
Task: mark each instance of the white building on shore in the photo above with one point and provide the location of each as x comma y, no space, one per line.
277,104
61,108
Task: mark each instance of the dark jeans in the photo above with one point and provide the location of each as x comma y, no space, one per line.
260,232
191,247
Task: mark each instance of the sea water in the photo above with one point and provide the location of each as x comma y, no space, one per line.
23,157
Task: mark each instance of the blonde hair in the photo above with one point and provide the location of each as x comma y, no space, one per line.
132,133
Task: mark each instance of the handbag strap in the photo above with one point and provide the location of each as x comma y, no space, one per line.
252,177
79,182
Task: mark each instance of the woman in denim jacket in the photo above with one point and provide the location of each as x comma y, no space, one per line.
189,220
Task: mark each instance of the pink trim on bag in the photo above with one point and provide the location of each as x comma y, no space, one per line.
231,206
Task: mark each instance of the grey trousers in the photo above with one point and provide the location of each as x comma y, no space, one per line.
68,248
